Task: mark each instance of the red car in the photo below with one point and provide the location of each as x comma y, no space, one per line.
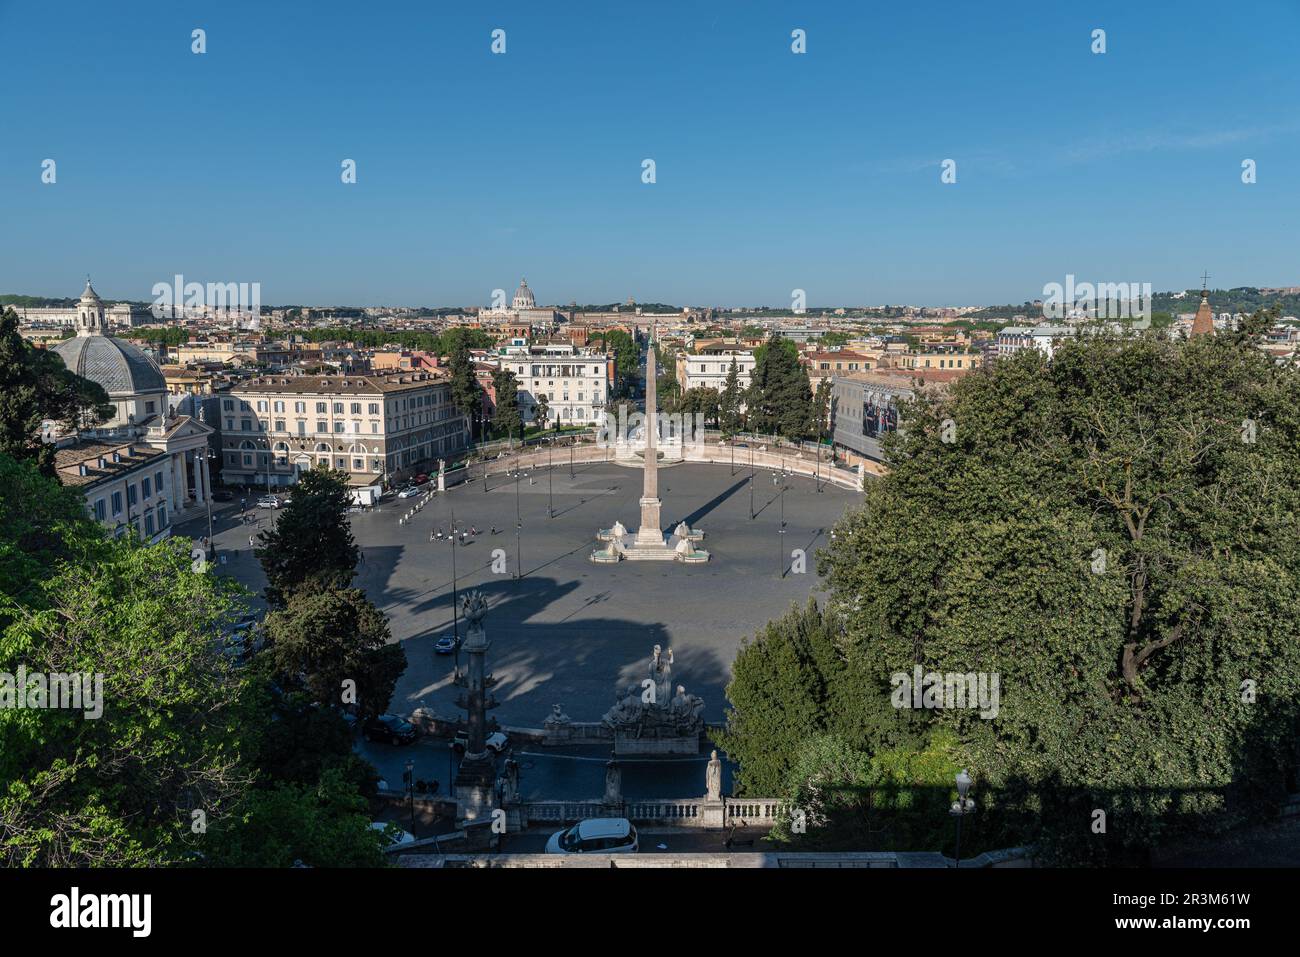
422,478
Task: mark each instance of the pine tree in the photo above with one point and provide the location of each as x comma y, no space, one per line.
729,403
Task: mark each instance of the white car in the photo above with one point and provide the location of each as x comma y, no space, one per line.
595,835
396,836
268,501
410,492
496,741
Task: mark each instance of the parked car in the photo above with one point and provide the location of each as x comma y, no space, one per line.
409,492
422,478
392,832
446,645
390,728
596,835
496,741
268,501
223,495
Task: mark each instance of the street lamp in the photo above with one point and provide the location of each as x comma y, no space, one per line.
455,612
550,480
779,479
751,482
409,777
961,807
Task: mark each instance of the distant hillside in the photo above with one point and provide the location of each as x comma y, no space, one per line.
1244,299
35,302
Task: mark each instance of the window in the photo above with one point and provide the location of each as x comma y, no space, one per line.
149,407
246,425
338,426
162,517
279,407
279,425
300,407
356,408
148,524
322,425
358,464
227,405
117,503
338,408
261,405
131,495
146,487
100,510
302,427
374,408
158,482
322,407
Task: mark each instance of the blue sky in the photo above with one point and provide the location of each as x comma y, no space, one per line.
775,171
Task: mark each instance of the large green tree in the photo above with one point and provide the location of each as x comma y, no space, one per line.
779,398
192,758
311,541
335,644
1116,535
466,393
729,403
506,420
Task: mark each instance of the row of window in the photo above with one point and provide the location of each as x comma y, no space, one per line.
277,405
144,490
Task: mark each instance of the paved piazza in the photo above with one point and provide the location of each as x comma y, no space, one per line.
572,632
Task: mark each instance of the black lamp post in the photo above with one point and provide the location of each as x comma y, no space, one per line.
455,611
550,481
751,482
779,479
961,807
409,777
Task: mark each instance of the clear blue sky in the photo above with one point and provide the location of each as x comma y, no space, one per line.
775,171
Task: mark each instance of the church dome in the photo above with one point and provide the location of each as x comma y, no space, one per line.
524,296
121,368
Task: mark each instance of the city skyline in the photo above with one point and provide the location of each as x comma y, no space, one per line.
774,170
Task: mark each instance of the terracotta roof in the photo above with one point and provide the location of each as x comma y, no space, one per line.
89,451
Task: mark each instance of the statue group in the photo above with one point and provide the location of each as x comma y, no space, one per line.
650,709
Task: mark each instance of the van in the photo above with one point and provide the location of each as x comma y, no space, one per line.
595,835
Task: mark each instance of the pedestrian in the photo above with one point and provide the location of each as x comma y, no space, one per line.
250,542
361,553
430,534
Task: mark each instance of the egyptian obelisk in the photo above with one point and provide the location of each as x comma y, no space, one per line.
649,533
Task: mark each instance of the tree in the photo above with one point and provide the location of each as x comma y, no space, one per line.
192,758
322,824
799,677
311,540
120,788
466,394
506,420
821,408
1115,535
35,386
779,397
729,420
701,400
325,637
627,357
543,410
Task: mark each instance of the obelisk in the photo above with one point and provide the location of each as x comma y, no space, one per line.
649,533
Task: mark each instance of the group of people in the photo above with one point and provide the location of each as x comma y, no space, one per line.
465,534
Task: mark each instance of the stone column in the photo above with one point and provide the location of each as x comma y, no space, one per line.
203,470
